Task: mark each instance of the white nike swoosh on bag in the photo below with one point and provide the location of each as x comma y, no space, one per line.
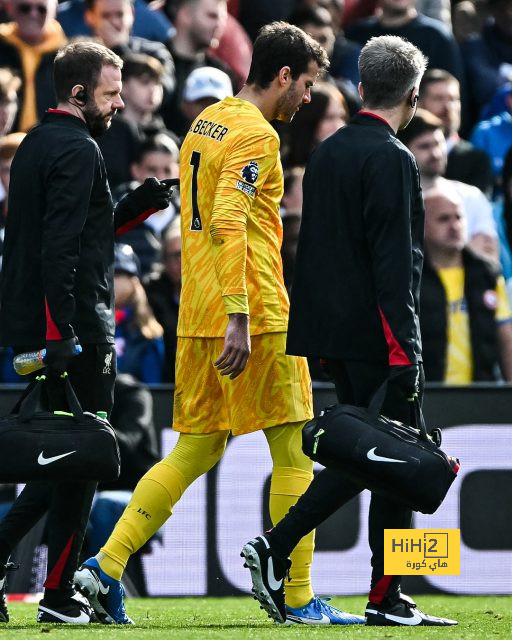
273,583
42,460
371,455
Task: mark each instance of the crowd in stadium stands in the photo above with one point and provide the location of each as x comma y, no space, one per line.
183,55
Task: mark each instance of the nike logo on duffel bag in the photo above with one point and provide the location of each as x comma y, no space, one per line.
42,460
371,455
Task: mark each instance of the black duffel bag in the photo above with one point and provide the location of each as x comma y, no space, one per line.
60,445
392,459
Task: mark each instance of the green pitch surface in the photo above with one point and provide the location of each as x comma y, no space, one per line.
480,618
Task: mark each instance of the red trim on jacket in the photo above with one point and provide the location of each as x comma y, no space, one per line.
397,355
131,224
373,115
67,113
54,578
380,589
52,333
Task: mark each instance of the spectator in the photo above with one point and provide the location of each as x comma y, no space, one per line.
143,93
28,46
468,18
138,337
440,94
488,55
234,49
149,23
9,86
291,214
437,9
400,18
494,136
203,87
199,25
111,22
313,123
343,53
502,210
465,317
163,289
253,15
158,157
424,137
8,147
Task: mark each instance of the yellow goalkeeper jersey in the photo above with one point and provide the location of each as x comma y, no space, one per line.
231,187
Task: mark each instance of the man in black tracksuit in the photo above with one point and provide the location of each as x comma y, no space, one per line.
355,295
57,289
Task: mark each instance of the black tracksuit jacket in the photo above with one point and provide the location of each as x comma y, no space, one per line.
57,276
355,294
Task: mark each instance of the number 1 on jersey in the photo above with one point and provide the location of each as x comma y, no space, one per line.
196,224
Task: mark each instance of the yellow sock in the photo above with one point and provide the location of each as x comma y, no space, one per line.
156,494
150,507
286,486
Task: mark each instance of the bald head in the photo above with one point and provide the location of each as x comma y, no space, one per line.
445,223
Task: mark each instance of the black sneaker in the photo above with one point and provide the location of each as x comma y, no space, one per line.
268,572
74,610
402,613
4,568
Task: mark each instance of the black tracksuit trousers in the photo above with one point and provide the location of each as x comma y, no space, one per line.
355,382
92,375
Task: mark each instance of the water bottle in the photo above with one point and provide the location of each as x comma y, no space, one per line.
26,363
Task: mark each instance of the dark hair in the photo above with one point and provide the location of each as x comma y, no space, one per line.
81,62
279,45
317,16
171,7
159,143
89,4
432,76
137,65
422,122
300,133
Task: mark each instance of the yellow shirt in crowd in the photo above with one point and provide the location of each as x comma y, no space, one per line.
459,359
231,186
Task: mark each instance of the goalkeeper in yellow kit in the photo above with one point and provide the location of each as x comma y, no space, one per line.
232,373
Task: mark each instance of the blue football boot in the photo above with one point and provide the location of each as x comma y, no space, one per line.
105,594
318,611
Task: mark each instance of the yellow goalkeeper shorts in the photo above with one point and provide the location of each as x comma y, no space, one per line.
273,389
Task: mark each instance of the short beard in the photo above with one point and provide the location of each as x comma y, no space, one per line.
96,123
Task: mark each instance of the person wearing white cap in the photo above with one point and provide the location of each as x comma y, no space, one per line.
204,86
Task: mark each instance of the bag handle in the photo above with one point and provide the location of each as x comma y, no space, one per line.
375,407
29,398
27,404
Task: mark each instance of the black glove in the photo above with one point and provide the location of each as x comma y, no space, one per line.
407,379
152,194
60,352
